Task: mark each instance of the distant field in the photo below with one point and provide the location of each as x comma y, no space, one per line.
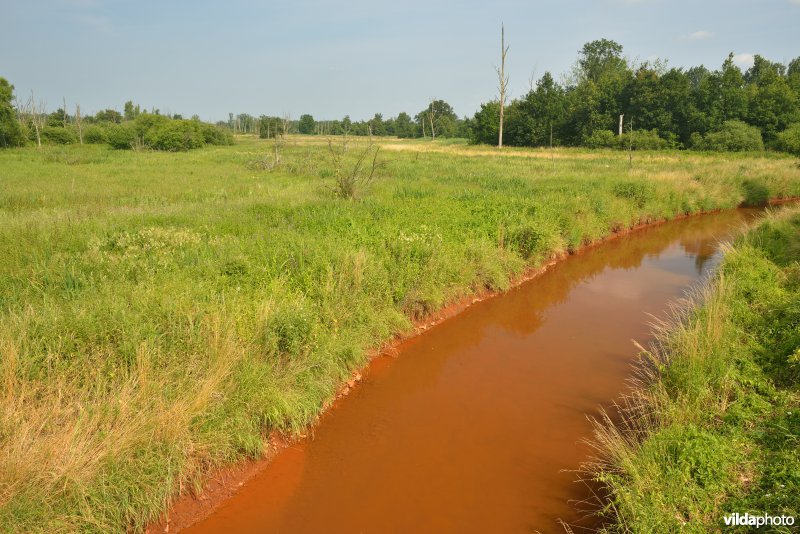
160,313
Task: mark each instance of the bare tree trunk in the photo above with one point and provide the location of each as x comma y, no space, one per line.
78,122
620,123
431,114
35,120
64,108
503,78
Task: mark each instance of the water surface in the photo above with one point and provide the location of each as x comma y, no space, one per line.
474,425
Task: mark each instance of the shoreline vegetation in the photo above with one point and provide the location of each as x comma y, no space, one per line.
712,423
162,313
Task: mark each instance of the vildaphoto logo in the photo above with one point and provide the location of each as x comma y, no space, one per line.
765,520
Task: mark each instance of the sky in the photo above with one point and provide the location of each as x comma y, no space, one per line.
352,57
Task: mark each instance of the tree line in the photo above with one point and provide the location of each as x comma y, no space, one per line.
605,101
29,122
608,101
437,119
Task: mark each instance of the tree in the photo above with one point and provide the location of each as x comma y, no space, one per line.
130,111
546,106
377,125
726,97
306,124
598,98
486,123
772,105
58,118
108,115
403,127
599,57
439,114
11,133
503,82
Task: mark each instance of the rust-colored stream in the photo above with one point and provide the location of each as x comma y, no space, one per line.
473,425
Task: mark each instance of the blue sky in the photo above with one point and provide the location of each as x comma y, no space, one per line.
352,57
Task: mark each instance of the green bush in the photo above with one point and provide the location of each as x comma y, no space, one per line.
11,132
733,136
789,139
525,240
214,135
58,136
122,136
175,136
602,139
637,191
638,140
95,135
643,140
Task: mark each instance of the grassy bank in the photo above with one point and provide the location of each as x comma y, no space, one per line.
714,424
160,313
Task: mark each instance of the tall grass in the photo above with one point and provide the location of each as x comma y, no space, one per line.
712,424
161,313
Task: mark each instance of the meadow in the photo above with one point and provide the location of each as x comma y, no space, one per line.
162,313
712,427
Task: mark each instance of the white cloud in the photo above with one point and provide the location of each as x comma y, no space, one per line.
700,34
744,60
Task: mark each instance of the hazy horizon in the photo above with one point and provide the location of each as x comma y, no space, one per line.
329,60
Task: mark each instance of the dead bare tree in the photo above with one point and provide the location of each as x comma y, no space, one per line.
503,79
36,116
431,118
78,124
286,119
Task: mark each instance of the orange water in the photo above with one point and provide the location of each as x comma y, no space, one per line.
475,425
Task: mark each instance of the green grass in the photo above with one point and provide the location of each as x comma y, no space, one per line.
160,313
713,426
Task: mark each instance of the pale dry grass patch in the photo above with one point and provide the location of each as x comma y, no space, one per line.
57,436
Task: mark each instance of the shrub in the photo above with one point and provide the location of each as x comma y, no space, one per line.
602,139
95,135
11,132
638,140
122,136
735,136
525,240
789,139
57,135
214,135
643,140
175,136
637,191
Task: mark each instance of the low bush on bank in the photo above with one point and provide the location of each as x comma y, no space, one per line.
58,136
733,136
95,135
713,423
789,140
